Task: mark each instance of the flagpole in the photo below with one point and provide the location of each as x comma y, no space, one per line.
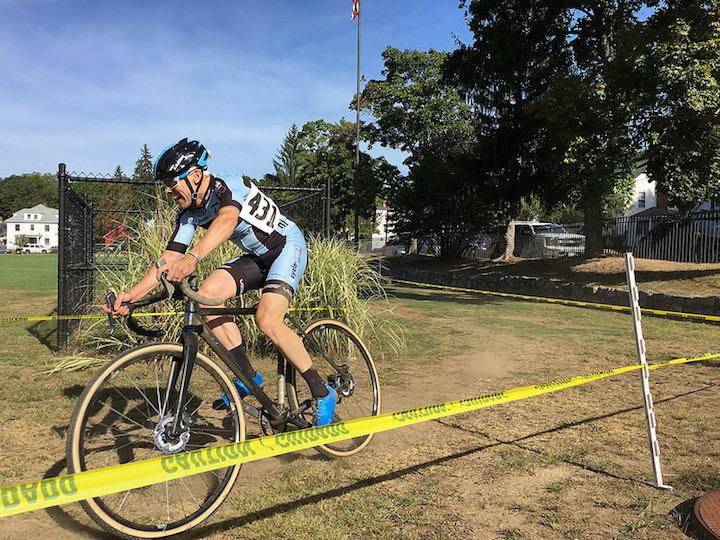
357,135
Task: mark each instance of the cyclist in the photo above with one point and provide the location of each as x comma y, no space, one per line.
233,208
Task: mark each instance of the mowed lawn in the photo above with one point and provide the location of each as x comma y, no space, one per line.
33,273
572,464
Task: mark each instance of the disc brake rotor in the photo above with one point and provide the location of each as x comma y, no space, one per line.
166,443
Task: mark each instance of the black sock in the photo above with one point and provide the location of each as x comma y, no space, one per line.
317,387
240,356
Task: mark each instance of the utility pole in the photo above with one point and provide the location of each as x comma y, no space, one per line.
356,13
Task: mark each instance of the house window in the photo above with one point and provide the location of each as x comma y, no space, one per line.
47,228
17,227
641,199
32,227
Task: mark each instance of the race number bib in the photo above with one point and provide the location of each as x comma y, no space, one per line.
259,211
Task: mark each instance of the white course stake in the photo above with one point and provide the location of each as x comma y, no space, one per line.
644,372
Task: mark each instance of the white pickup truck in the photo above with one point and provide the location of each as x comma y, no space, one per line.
546,240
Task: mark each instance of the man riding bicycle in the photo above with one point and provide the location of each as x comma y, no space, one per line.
233,208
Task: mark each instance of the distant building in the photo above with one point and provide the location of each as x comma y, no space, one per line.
645,195
647,201
38,224
380,238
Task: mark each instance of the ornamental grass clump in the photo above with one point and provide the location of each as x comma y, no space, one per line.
338,283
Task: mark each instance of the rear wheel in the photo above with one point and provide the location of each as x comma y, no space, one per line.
343,361
122,417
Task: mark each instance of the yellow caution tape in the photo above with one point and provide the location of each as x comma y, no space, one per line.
80,317
612,307
77,317
95,483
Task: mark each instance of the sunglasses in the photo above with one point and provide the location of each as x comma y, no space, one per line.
171,183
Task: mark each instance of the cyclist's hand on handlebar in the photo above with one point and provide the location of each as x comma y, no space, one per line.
118,309
176,269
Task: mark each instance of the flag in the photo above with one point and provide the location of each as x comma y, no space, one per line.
355,10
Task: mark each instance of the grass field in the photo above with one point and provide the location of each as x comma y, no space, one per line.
29,273
572,464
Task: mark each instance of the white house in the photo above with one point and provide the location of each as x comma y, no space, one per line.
644,194
380,238
38,224
647,201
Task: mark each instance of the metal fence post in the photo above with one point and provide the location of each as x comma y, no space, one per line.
327,207
62,328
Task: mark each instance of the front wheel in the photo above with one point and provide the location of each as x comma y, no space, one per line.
343,361
122,416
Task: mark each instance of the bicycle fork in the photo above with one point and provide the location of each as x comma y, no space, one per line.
181,368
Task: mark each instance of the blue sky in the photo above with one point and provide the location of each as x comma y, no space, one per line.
89,82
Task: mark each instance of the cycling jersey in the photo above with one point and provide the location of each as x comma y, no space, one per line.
261,226
274,243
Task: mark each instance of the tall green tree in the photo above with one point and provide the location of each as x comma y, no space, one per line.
593,108
679,75
519,46
416,111
328,152
547,80
142,197
625,79
27,190
289,161
144,166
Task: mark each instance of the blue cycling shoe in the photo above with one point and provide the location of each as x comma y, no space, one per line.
243,392
326,408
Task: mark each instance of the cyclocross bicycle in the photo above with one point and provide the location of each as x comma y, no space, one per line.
158,399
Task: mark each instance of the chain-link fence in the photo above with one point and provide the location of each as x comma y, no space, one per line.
92,236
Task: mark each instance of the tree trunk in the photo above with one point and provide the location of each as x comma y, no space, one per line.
509,242
593,232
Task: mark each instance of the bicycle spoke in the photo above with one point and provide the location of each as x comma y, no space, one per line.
192,495
167,501
212,431
123,415
157,390
147,400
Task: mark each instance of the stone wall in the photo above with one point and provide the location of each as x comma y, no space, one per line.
531,286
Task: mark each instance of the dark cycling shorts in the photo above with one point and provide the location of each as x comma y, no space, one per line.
278,271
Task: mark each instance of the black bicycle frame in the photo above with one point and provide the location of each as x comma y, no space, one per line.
194,326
